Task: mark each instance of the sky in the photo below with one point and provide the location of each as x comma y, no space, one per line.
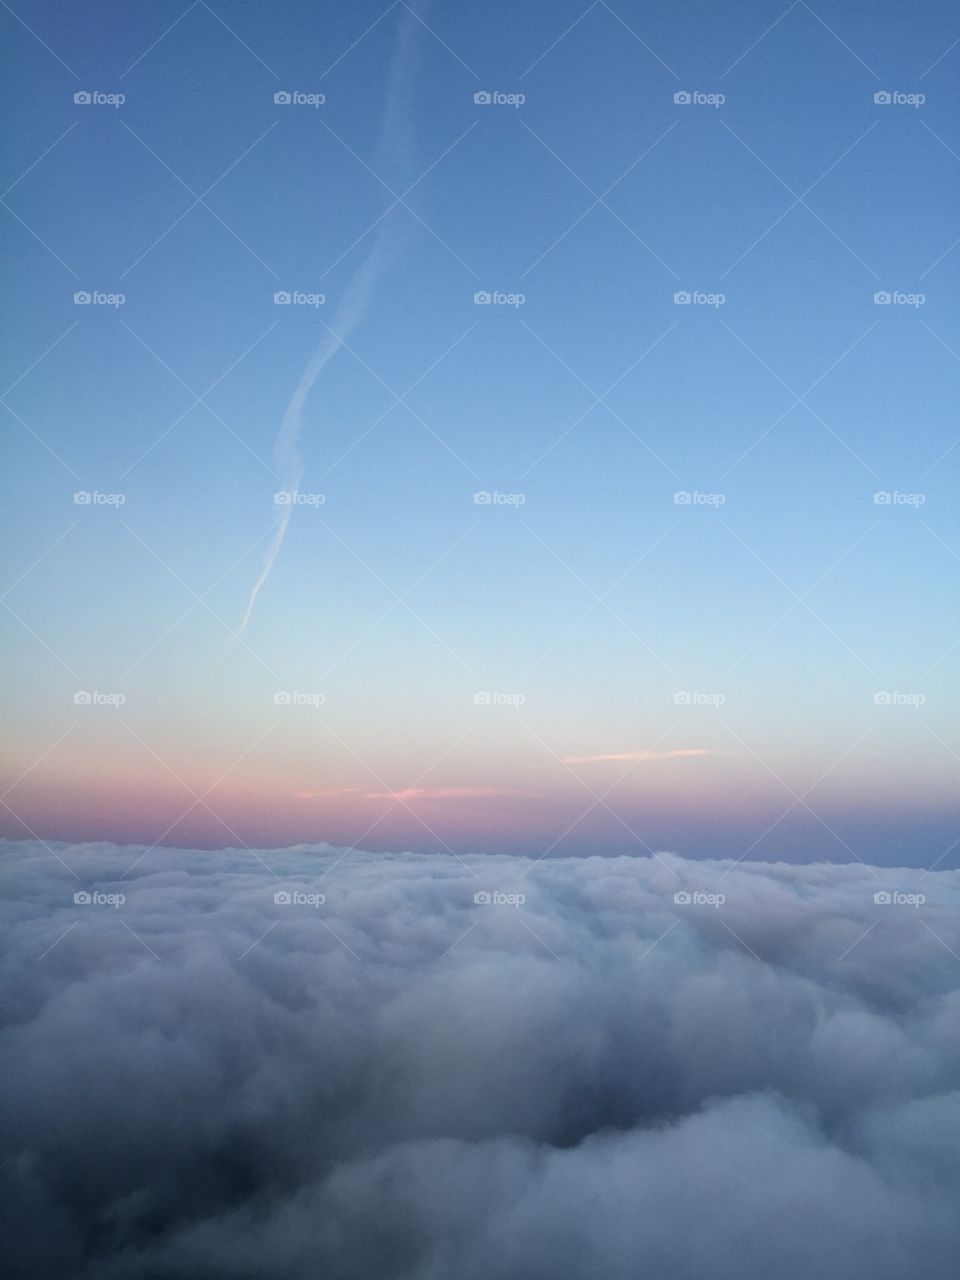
618,407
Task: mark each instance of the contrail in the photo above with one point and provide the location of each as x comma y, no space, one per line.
394,146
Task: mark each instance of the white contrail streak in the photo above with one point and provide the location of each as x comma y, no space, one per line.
394,145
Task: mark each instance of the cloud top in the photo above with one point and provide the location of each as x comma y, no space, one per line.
314,1061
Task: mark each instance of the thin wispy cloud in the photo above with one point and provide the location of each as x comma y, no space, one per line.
638,756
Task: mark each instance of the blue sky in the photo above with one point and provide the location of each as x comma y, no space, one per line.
783,594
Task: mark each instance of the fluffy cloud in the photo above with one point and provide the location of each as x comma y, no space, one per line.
605,1067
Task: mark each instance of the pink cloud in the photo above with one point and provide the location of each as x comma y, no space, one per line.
639,755
406,794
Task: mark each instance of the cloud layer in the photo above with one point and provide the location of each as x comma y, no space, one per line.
603,1067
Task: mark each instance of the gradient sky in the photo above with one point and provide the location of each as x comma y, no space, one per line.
770,676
